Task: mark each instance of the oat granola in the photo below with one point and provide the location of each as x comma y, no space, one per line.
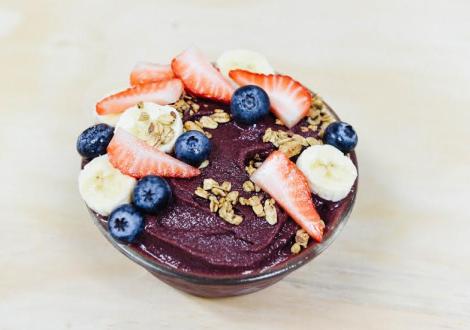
301,241
319,117
221,199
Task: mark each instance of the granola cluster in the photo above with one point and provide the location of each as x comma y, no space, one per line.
185,104
253,164
318,117
208,122
249,186
159,131
267,211
301,241
221,199
289,143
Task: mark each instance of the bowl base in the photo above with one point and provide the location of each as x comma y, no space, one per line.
217,290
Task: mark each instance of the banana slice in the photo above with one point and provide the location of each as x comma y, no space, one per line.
329,172
103,187
243,59
110,119
158,125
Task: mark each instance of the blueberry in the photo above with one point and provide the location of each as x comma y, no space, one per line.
249,104
94,140
125,223
340,135
151,194
192,147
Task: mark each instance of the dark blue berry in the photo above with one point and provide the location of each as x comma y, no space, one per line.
340,135
94,140
192,147
249,104
125,223
151,194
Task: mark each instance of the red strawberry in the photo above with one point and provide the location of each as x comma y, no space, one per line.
162,92
200,77
283,180
136,158
146,72
290,101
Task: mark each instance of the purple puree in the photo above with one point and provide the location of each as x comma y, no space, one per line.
188,237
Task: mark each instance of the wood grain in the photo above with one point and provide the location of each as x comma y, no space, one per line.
399,71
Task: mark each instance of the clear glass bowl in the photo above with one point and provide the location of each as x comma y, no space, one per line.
223,286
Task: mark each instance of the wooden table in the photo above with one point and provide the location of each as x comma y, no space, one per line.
399,71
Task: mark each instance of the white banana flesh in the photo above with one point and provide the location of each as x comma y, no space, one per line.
103,187
329,172
158,125
110,119
243,59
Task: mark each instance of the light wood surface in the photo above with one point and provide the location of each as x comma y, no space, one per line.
399,71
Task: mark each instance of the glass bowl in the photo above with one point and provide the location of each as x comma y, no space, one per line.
224,286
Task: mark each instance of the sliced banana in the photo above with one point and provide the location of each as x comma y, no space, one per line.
243,59
329,172
158,125
103,187
110,119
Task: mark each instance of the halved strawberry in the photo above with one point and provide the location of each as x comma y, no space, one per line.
283,180
146,72
200,77
290,100
161,92
136,158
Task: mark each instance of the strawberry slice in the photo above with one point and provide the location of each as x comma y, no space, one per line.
162,92
283,180
200,77
290,101
146,72
136,158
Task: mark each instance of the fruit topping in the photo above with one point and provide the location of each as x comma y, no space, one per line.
281,179
125,223
249,104
200,77
151,194
341,135
243,59
290,101
136,158
110,119
104,187
94,140
161,92
329,172
146,72
192,147
158,125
